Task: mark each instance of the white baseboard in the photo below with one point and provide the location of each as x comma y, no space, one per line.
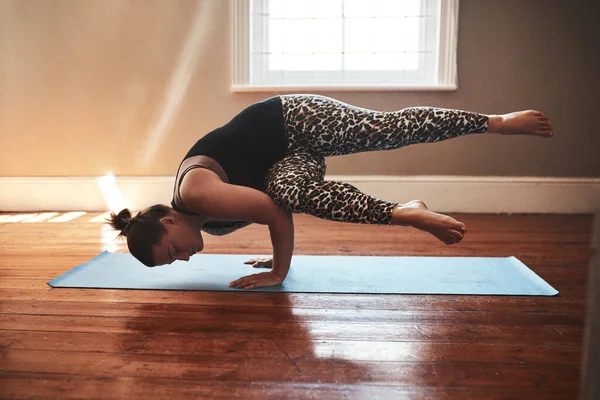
441,193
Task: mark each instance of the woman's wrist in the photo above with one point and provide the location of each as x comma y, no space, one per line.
280,274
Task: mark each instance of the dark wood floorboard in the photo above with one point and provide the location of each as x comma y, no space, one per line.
114,344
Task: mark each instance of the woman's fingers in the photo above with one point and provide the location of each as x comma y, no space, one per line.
246,281
257,280
243,282
259,262
252,286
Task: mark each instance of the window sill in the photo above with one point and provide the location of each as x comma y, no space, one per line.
333,88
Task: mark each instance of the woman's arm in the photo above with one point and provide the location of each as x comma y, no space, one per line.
205,193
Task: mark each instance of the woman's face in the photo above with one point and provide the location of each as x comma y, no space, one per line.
180,242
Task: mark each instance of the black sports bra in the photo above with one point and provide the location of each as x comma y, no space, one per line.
211,226
241,152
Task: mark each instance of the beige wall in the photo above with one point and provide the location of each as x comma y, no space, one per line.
83,85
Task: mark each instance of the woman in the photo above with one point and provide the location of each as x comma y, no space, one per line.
269,162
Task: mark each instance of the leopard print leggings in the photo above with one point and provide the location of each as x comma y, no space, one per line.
318,127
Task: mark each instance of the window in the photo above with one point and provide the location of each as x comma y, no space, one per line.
345,44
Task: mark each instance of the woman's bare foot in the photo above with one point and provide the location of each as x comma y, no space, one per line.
528,122
416,214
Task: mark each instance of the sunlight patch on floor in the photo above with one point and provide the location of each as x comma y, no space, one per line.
39,217
101,217
31,218
15,218
68,216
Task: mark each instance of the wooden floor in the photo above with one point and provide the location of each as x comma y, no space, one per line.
133,344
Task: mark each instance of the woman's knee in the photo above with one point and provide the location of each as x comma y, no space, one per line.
287,195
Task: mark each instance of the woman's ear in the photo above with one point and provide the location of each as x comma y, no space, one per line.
168,220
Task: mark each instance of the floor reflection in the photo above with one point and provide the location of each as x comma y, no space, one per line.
246,340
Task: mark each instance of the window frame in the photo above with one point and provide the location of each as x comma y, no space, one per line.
446,73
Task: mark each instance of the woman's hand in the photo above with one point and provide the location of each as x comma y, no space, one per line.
264,279
260,262
224,201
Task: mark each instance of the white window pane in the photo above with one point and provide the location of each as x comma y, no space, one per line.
359,35
295,33
387,36
275,62
410,34
411,61
297,62
276,8
327,62
326,36
300,9
395,35
396,8
381,62
292,8
328,9
382,8
277,36
305,36
427,62
317,62
389,62
359,62
358,8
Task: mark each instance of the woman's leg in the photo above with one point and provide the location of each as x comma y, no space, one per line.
318,126
296,183
330,127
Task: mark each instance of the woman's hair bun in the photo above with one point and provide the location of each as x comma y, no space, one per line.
121,221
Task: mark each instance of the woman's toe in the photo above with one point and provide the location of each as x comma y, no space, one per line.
546,132
460,227
457,233
449,239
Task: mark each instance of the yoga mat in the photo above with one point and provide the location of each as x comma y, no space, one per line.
312,274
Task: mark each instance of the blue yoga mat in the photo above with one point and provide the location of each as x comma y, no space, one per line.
312,274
